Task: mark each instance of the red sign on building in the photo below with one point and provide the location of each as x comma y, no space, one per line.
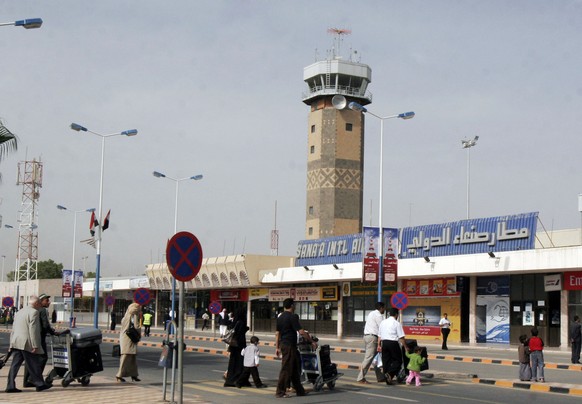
573,280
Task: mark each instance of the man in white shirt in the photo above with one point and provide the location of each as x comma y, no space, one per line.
391,336
371,340
445,325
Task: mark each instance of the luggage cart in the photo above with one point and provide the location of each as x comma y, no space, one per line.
75,356
316,366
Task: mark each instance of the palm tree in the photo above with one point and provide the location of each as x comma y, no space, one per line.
8,142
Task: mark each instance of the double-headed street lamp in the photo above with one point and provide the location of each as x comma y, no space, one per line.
28,23
61,207
467,144
180,355
131,132
340,102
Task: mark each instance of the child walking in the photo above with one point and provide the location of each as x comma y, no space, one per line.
251,363
536,348
415,361
524,358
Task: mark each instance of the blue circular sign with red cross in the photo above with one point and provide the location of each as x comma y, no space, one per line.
184,256
7,301
215,307
142,296
399,300
110,300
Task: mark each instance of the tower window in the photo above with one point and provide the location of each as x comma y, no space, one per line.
312,128
349,127
311,210
312,149
310,231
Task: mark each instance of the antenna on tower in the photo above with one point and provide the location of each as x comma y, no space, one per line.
337,40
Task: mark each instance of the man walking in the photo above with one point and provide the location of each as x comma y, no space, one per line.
25,344
147,323
391,335
286,344
371,330
576,339
45,329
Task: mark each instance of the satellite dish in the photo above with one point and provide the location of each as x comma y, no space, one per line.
339,101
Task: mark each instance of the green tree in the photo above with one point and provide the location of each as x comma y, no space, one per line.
90,275
45,270
8,142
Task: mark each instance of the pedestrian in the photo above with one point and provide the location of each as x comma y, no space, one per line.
445,325
251,365
113,320
536,348
371,329
236,361
524,359
391,336
54,317
223,323
286,345
576,339
26,346
414,364
205,318
45,329
147,323
128,348
167,320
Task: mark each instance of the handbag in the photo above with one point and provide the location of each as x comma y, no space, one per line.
133,333
229,338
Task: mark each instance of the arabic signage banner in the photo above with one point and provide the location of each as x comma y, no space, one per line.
390,263
233,295
431,287
313,294
371,260
473,236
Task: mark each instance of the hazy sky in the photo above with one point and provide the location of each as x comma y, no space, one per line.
215,88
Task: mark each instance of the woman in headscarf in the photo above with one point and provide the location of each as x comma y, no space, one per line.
236,360
128,348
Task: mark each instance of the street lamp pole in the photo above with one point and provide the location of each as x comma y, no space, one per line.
339,102
467,144
28,23
61,207
180,338
130,132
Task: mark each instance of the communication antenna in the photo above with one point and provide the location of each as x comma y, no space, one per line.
275,236
338,33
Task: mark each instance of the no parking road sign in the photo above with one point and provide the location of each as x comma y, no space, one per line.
8,301
399,300
184,256
215,307
142,296
110,300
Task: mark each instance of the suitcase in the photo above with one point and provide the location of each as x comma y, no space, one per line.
85,337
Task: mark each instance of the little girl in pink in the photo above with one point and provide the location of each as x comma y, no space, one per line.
414,365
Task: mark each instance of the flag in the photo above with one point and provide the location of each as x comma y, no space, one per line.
90,241
92,224
106,221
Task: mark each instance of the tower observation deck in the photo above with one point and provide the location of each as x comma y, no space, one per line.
335,153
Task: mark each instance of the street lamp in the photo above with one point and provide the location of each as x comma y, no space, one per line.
467,144
198,177
28,23
339,102
131,132
61,207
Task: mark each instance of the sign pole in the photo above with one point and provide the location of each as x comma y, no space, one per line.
181,343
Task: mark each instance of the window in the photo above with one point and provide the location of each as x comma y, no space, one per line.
311,210
349,127
312,149
312,128
311,231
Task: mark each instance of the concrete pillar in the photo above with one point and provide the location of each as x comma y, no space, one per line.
473,310
340,312
564,321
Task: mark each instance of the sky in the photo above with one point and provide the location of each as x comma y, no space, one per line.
215,88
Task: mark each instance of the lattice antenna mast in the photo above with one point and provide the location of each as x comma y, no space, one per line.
275,236
338,34
30,177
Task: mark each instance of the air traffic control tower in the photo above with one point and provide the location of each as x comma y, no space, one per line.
335,147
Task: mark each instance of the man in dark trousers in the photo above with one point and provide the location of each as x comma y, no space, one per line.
576,339
286,345
26,346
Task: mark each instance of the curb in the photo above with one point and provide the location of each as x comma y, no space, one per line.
532,386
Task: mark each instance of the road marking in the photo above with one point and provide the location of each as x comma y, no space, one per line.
216,390
384,396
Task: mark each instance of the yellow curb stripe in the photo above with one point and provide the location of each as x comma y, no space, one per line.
217,390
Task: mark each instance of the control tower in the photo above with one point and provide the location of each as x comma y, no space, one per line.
335,143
